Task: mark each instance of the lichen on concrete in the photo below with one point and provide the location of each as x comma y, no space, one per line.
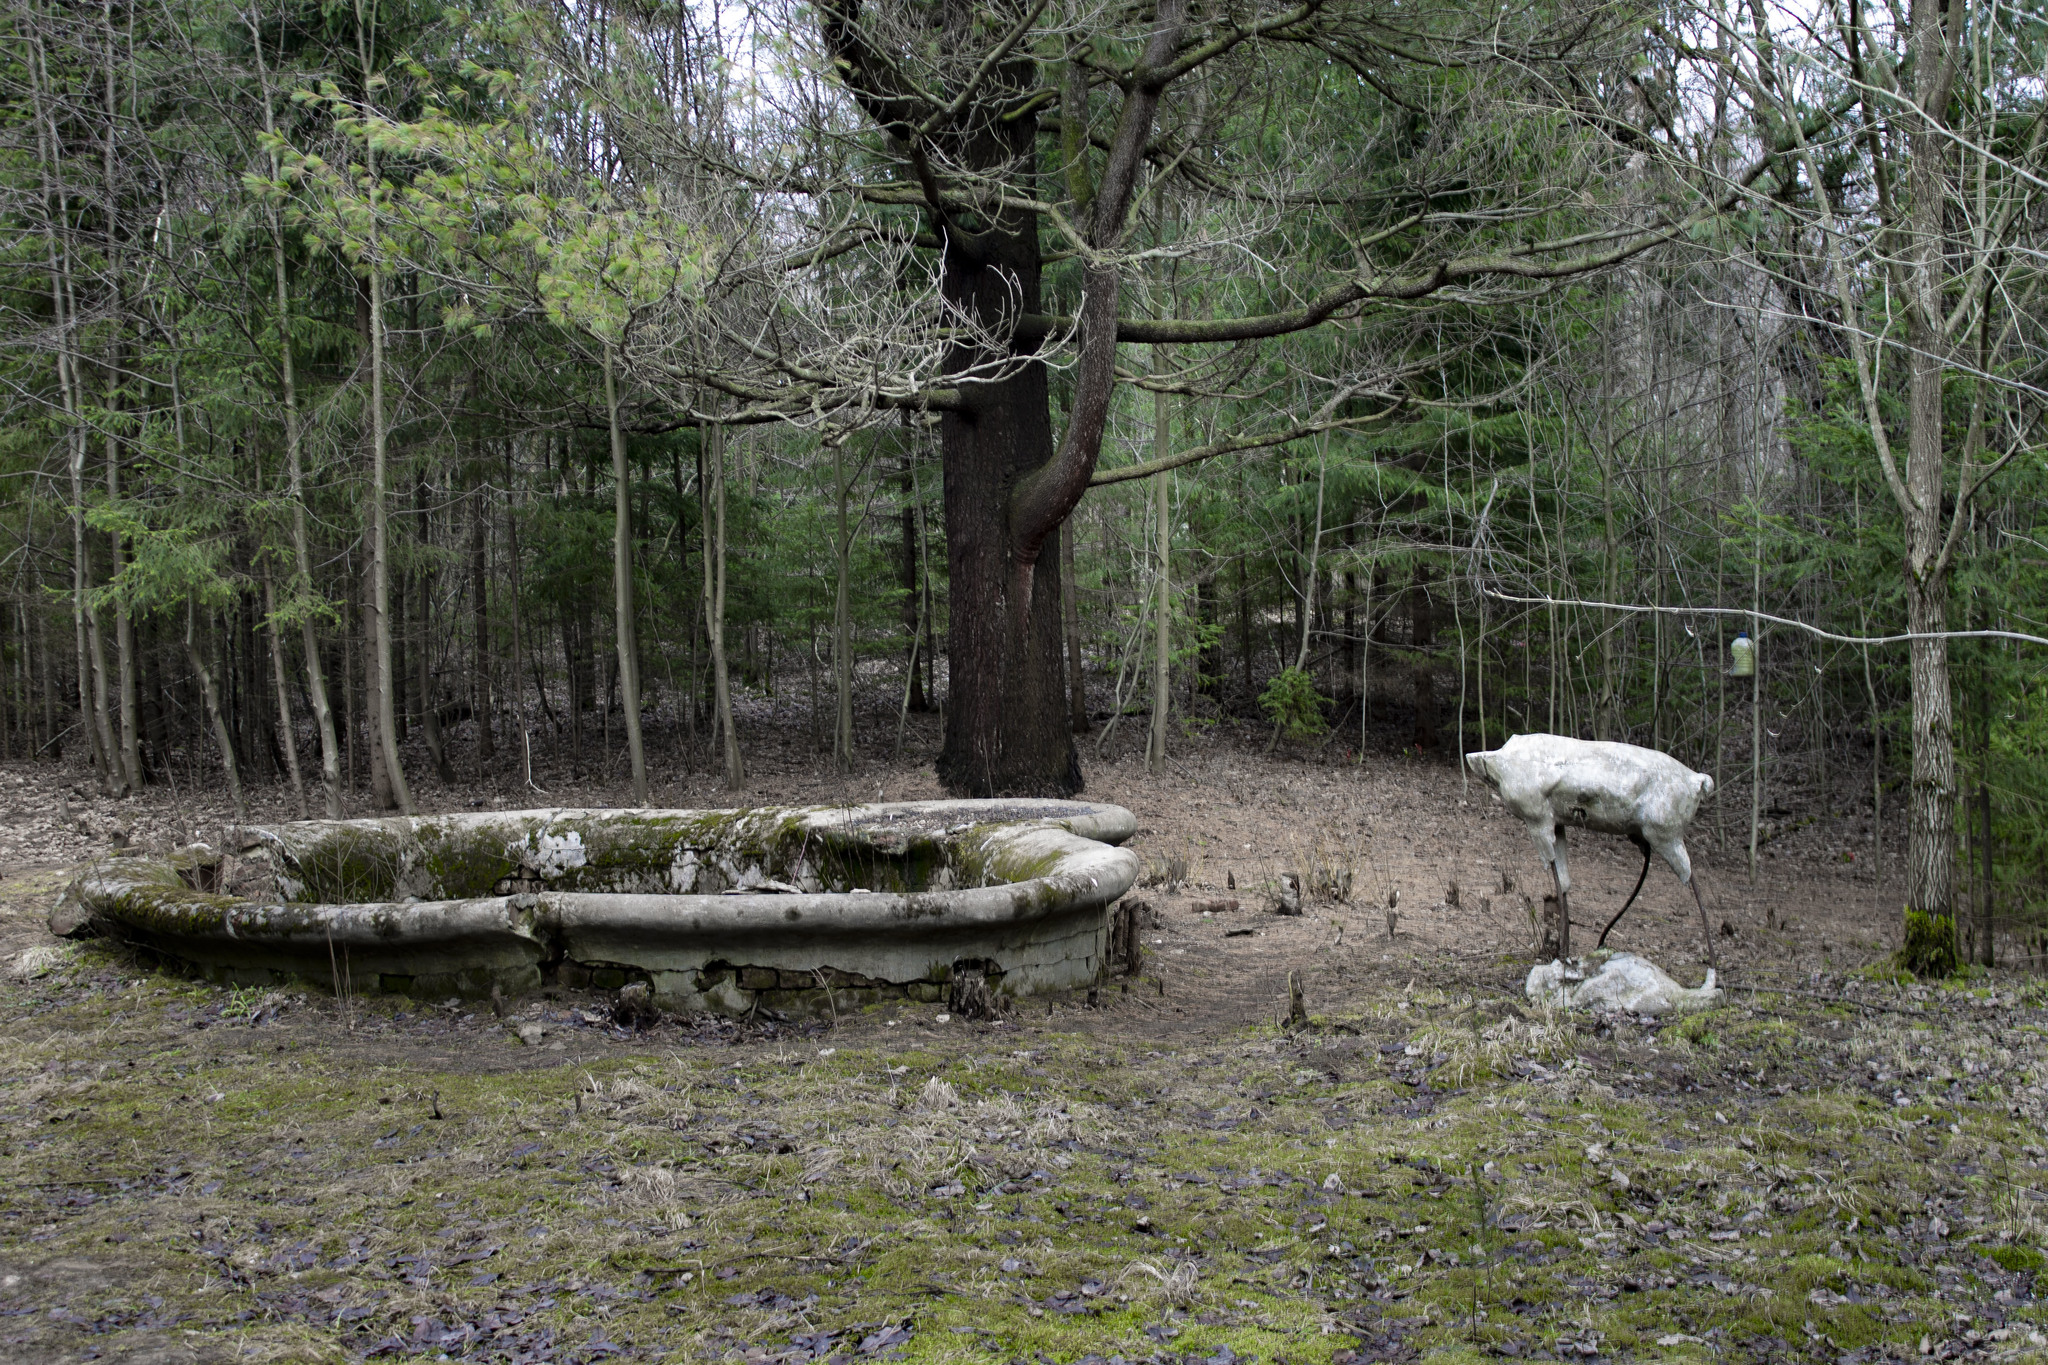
715,910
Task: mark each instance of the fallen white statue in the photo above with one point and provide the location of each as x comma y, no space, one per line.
1625,982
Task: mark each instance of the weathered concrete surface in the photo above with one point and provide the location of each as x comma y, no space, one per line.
804,909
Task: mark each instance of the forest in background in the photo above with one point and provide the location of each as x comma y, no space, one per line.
400,391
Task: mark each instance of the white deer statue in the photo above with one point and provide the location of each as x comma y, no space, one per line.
1646,797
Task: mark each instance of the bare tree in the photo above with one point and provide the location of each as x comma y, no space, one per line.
1918,212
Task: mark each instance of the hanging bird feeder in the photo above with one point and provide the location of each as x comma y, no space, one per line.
1742,656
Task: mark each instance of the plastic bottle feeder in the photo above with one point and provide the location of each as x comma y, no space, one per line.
803,910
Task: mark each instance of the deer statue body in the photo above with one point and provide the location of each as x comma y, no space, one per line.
1553,782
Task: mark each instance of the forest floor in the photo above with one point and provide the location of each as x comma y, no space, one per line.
1833,1165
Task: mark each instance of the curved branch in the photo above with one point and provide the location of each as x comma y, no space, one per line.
1232,444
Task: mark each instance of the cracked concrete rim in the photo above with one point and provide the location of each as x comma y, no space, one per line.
1019,888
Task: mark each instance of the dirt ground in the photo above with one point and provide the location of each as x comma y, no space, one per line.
1832,1166
1237,817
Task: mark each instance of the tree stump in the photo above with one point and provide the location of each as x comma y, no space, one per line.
1127,925
969,996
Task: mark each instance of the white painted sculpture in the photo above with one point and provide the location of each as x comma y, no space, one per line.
1648,798
1624,982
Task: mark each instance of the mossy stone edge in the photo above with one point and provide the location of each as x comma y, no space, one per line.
890,900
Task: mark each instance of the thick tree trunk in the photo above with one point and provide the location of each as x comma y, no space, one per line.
1931,814
1931,807
1008,728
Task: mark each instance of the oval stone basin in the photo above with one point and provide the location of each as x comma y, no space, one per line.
797,909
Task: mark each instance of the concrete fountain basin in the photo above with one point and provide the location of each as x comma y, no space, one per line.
798,909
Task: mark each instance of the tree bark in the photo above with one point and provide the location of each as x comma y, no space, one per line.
1422,639
1162,518
281,679
395,793
484,703
130,753
1070,616
913,615
622,584
223,741
428,692
1008,731
1931,805
384,720
711,496
294,448
1931,817
842,616
1007,488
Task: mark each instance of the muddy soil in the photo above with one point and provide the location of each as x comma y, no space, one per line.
1832,1166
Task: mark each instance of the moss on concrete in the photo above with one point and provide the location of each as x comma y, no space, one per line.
385,888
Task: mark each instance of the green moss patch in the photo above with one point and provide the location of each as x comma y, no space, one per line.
248,1171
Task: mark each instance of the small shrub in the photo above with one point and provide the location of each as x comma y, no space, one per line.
1291,702
1930,946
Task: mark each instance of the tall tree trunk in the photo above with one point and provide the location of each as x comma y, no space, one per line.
1008,727
223,741
1162,521
423,653
71,390
1311,580
517,673
294,450
1070,618
1422,639
92,690
1607,705
912,614
482,703
842,616
383,684
622,583
382,796
130,752
287,733
1372,578
1931,815
127,759
711,494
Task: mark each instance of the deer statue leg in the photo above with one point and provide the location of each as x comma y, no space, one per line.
1706,934
1548,836
1561,877
1644,844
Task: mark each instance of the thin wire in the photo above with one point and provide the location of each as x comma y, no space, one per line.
1776,620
